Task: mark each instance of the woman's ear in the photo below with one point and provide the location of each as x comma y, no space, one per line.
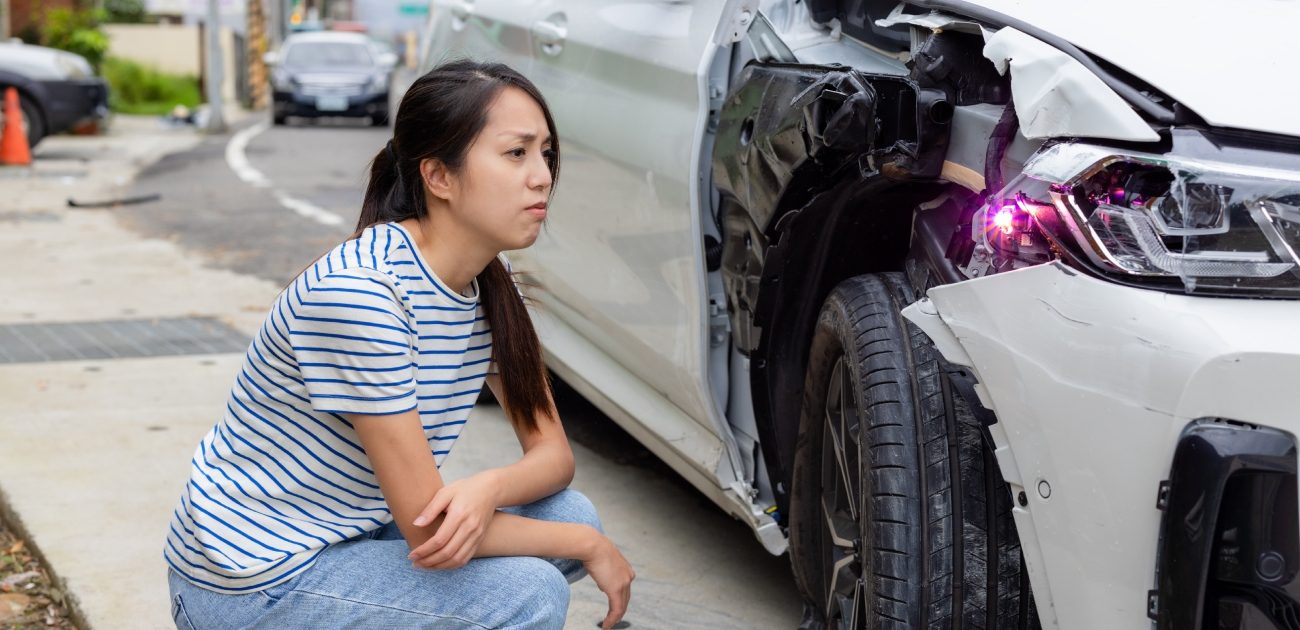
437,179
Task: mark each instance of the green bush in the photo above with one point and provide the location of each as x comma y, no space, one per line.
136,89
124,11
77,32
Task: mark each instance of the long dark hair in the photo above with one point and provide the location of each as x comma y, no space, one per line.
439,117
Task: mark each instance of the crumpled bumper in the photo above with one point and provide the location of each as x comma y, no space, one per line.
1093,384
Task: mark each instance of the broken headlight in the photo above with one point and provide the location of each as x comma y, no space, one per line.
1159,220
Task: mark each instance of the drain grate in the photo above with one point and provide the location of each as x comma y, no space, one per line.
118,339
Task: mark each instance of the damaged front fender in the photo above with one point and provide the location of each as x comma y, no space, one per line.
790,131
1093,383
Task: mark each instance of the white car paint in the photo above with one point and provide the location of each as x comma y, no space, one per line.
1055,96
1231,63
626,322
1093,383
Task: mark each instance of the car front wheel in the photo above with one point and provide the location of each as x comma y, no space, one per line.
33,121
899,516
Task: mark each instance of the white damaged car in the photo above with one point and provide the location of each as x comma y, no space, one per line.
988,312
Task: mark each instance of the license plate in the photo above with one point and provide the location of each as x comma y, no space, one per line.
331,103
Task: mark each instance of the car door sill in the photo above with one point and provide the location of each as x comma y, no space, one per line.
675,438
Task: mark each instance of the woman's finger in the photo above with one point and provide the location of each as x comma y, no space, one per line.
442,559
446,530
617,606
441,499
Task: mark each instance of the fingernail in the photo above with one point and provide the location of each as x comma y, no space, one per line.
419,522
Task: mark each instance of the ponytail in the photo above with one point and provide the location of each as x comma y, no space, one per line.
515,348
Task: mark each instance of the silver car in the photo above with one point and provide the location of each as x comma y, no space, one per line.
986,312
330,74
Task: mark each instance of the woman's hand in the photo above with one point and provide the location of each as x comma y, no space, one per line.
469,504
613,575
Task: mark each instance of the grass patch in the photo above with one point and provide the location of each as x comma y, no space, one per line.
137,89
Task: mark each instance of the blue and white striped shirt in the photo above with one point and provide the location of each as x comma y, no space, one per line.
368,329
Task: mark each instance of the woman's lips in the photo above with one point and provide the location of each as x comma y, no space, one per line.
537,210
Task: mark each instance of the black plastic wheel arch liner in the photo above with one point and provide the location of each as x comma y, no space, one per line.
792,137
790,131
1229,549
787,127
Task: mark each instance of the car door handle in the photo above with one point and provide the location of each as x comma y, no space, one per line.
550,32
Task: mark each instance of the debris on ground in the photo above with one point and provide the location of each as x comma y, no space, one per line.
28,597
112,203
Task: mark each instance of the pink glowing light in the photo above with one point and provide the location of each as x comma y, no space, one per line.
1005,219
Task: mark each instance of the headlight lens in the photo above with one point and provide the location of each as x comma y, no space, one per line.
74,66
1172,222
281,80
379,82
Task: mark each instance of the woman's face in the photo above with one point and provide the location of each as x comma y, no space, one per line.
501,191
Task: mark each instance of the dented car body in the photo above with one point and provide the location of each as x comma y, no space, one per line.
982,310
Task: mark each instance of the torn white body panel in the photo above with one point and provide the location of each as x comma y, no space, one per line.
1056,96
1092,383
934,21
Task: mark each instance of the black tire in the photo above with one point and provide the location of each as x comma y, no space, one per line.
279,120
914,462
33,119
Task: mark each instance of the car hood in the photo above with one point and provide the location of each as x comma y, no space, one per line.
43,64
1231,63
341,76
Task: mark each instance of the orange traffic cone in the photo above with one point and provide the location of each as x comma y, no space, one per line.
13,140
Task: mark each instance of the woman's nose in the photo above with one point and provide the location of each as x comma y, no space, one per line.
540,175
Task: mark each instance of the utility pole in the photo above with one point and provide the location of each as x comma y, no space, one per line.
275,23
216,122
257,80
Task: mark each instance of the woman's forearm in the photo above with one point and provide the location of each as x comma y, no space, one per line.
541,472
513,535
547,464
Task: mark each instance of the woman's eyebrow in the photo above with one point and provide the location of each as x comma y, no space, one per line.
523,136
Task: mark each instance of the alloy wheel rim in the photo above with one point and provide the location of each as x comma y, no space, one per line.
842,504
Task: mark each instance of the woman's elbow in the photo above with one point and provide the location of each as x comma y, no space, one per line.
567,466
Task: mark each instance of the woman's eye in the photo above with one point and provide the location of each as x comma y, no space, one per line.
515,153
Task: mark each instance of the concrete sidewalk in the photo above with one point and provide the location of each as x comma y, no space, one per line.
117,353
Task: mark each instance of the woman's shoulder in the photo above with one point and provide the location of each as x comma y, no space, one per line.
378,253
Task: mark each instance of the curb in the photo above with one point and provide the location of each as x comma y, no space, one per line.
15,524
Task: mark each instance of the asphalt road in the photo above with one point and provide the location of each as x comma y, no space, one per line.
207,208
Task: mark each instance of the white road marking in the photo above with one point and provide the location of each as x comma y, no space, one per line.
238,162
308,209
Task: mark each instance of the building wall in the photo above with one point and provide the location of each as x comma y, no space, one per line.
172,48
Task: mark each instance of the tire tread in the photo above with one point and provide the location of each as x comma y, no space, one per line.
942,547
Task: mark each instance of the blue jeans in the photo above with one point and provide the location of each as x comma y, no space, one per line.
368,582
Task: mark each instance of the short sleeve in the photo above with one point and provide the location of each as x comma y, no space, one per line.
354,343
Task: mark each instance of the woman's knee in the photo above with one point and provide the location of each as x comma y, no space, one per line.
571,506
543,594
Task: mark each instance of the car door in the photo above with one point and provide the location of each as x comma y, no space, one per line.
483,30
622,250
